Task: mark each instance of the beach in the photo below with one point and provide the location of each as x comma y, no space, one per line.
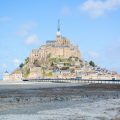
59,101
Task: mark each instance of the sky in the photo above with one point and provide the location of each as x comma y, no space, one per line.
93,25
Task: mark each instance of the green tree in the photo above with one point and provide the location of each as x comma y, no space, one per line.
52,64
26,60
21,65
64,68
91,63
26,73
36,63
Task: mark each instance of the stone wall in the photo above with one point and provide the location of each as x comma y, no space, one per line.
61,47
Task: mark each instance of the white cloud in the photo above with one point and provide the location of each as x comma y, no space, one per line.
65,11
26,28
16,62
33,39
93,55
96,8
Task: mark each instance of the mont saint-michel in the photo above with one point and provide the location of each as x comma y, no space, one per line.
59,58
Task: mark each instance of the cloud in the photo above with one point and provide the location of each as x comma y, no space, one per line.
16,62
5,19
65,11
32,39
97,8
25,29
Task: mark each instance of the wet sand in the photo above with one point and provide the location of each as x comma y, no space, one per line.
56,101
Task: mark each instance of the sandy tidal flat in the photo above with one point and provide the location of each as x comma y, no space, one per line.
70,102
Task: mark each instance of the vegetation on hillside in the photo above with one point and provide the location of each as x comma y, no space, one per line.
91,63
54,63
26,72
21,65
25,62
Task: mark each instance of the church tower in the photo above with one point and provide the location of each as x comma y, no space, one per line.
58,34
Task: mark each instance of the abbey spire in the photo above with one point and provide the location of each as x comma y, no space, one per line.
58,29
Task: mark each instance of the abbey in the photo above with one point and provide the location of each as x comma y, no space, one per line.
60,47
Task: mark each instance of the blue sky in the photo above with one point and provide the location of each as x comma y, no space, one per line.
92,24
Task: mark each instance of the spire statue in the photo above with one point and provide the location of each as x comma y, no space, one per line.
58,29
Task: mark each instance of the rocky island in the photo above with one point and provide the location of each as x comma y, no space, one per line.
59,58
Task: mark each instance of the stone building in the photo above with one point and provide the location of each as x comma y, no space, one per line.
16,75
60,47
6,76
